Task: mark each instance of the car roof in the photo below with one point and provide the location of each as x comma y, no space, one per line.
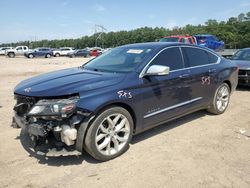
183,36
245,49
156,45
204,35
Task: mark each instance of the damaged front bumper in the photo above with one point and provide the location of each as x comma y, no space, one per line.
44,143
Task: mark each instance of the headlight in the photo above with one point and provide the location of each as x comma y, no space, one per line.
53,107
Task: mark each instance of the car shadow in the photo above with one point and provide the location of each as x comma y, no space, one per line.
168,126
76,160
243,88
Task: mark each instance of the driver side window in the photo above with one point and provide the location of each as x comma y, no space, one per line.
170,57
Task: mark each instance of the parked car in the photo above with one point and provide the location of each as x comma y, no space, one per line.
39,52
79,53
102,104
187,39
242,59
19,50
95,52
63,51
4,49
210,41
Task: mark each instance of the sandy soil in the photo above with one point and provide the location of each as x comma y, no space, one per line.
199,150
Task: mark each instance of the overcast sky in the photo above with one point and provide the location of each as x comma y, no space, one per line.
55,19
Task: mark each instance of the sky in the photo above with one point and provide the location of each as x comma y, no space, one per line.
59,19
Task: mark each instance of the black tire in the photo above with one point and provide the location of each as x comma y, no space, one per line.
213,108
30,56
57,55
48,56
11,54
90,140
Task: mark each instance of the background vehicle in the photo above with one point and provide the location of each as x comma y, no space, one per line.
63,51
132,88
39,52
95,52
242,59
210,41
79,53
187,39
4,49
19,50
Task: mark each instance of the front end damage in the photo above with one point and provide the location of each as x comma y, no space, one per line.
51,123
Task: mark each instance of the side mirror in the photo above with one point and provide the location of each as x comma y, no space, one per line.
157,70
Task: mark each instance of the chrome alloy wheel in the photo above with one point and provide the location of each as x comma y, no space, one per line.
112,134
222,98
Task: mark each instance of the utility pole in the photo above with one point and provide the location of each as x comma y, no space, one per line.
99,30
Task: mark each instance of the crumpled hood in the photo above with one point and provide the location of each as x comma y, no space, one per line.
66,82
242,64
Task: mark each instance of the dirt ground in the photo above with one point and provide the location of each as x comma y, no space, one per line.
199,150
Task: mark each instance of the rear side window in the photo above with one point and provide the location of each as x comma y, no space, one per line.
170,57
212,58
195,57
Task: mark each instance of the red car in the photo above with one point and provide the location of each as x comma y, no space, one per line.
188,39
95,53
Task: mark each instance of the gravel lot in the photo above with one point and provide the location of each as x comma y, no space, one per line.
199,150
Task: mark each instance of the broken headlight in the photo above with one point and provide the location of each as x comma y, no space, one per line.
53,107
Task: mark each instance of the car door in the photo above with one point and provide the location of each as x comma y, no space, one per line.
202,65
164,97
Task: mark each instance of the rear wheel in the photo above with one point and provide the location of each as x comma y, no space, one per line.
220,100
11,55
57,55
109,134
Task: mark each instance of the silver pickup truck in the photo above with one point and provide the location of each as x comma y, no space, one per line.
19,50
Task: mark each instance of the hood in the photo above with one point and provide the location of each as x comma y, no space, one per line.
242,64
66,82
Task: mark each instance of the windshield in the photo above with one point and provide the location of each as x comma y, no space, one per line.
242,55
170,39
121,60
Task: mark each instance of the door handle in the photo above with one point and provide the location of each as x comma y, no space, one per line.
212,70
183,76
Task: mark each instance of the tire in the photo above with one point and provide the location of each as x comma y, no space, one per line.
48,56
220,100
11,55
30,56
57,55
109,134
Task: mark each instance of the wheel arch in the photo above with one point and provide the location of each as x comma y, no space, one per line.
229,84
122,105
84,127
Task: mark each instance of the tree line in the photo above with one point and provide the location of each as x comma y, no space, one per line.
235,32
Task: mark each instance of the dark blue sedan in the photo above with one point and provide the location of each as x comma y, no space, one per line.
79,53
39,52
99,106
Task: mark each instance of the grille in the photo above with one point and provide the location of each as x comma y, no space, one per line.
244,72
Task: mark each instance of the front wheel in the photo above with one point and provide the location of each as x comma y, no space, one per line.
221,100
109,134
30,56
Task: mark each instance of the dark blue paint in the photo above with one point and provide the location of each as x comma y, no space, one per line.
149,94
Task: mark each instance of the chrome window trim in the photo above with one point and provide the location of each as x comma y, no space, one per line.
146,67
172,107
